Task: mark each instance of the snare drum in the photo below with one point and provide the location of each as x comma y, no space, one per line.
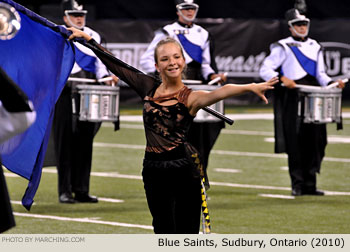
203,116
321,105
98,103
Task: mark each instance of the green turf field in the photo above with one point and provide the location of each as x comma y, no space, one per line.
250,187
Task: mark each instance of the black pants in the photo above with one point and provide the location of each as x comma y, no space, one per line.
203,137
173,196
6,216
73,147
304,161
305,145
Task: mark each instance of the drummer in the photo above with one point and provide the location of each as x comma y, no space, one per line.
73,138
198,49
297,59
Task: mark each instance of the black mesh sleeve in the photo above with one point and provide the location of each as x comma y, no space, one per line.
137,80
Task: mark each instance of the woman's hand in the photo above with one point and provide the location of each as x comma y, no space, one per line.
260,88
76,33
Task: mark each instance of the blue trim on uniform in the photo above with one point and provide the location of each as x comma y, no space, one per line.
86,62
191,49
307,64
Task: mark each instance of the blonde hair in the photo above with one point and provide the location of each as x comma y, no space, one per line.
168,40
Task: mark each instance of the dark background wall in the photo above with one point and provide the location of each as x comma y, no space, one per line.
165,9
243,29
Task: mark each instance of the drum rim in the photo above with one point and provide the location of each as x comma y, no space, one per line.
203,87
97,87
321,91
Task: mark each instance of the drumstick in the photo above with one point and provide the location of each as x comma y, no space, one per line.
81,79
318,87
192,81
335,84
307,86
213,81
105,79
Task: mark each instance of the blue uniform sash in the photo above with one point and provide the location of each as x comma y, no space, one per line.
86,62
307,64
191,49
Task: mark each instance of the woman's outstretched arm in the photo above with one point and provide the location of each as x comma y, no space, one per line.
200,99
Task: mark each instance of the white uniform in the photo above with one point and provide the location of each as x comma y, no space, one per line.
101,70
14,123
194,40
296,59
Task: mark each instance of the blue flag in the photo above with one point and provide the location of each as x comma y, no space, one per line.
39,59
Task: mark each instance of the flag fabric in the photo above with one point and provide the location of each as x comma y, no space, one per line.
39,59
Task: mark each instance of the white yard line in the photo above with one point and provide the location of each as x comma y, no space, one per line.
255,116
247,132
248,154
284,168
110,200
131,118
102,174
271,155
330,139
117,175
338,139
219,152
278,196
225,170
17,202
123,125
11,175
122,146
270,188
249,116
83,220
250,186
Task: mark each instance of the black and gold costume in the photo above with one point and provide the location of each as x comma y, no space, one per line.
171,172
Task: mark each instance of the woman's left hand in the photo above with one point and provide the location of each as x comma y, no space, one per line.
260,88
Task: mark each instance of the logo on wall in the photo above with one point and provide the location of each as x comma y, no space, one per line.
240,66
336,56
128,52
337,59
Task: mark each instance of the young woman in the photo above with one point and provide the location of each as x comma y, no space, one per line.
172,172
